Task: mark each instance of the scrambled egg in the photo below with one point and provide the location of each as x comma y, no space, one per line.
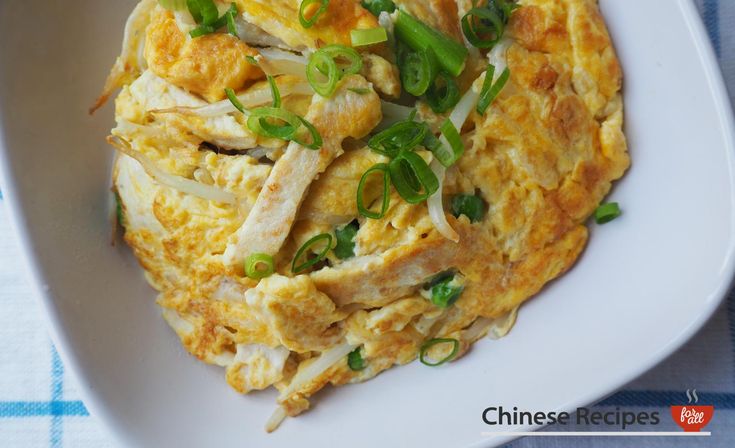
542,158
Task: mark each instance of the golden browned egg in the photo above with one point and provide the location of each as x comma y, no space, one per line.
204,187
205,65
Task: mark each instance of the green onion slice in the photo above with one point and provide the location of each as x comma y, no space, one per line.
418,69
359,90
230,17
377,6
259,123
483,27
432,342
469,205
447,156
308,23
443,94
204,12
332,61
296,268
368,37
173,5
404,135
252,61
234,100
491,90
412,177
355,360
385,202
607,212
119,210
507,7
321,62
274,91
314,136
455,141
350,55
259,266
194,10
450,54
345,247
201,31
446,292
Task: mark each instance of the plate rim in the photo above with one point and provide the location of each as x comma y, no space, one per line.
99,408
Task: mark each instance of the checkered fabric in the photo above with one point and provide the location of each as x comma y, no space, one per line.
39,406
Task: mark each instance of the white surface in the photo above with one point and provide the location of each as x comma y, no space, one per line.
646,283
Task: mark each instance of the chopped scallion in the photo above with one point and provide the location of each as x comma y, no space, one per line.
443,94
402,136
320,63
484,26
362,208
230,17
412,177
491,90
261,122
348,60
314,136
234,100
607,212
355,360
368,37
296,268
119,210
201,30
308,23
259,266
432,342
418,70
377,6
455,141
450,54
275,93
446,292
469,205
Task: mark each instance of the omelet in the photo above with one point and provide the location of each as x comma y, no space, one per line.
292,249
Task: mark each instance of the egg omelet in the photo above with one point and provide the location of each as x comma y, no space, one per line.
202,185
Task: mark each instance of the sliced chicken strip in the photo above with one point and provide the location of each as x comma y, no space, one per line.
376,280
346,114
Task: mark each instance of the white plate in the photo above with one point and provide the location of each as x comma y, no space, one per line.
646,283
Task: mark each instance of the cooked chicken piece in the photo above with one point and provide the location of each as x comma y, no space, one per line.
281,19
150,93
376,280
204,65
382,74
256,366
346,114
300,316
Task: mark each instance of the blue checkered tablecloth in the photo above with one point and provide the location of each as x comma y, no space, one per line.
39,406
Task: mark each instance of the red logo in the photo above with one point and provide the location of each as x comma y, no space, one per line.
692,417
